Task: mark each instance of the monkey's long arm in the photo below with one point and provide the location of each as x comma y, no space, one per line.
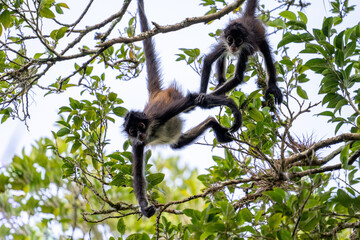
221,70
239,75
204,101
139,181
270,67
219,50
221,133
210,101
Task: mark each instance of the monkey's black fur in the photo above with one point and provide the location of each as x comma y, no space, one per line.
159,122
242,37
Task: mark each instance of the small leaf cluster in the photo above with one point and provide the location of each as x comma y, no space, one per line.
334,58
86,125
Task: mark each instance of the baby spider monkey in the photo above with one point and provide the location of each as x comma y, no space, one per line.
242,37
159,122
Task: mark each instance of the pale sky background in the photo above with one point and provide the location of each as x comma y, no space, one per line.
43,110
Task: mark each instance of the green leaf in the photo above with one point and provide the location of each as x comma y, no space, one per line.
278,23
349,49
53,34
256,114
338,40
301,92
327,25
316,48
75,104
298,24
5,18
191,213
306,37
318,65
343,198
138,236
288,15
77,122
319,36
275,196
47,13
90,115
59,9
112,96
61,33
284,234
205,235
120,111
155,179
275,220
63,132
75,146
121,226
344,156
63,5
259,130
5,117
340,104
303,17
289,38
326,113
339,58
89,70
246,215
118,180
59,6
65,109
309,221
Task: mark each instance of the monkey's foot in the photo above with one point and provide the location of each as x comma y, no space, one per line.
218,86
201,99
237,121
148,211
274,90
224,136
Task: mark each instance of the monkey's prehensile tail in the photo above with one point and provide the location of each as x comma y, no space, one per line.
139,181
250,8
151,58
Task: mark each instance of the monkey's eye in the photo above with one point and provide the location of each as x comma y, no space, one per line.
229,39
131,131
240,41
142,126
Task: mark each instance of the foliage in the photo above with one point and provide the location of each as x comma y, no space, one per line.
269,184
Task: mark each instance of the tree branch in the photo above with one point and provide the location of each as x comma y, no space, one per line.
171,28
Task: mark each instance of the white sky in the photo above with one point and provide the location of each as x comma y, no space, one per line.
15,136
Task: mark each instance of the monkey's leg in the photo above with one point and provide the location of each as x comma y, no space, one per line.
221,133
239,74
221,70
210,101
139,181
184,104
270,68
209,59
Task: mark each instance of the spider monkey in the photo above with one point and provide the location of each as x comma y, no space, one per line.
242,37
159,122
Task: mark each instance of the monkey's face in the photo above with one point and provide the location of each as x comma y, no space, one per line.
235,37
136,125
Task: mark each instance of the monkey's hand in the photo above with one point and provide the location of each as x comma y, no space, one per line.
208,101
148,211
237,121
221,82
222,135
201,100
274,90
